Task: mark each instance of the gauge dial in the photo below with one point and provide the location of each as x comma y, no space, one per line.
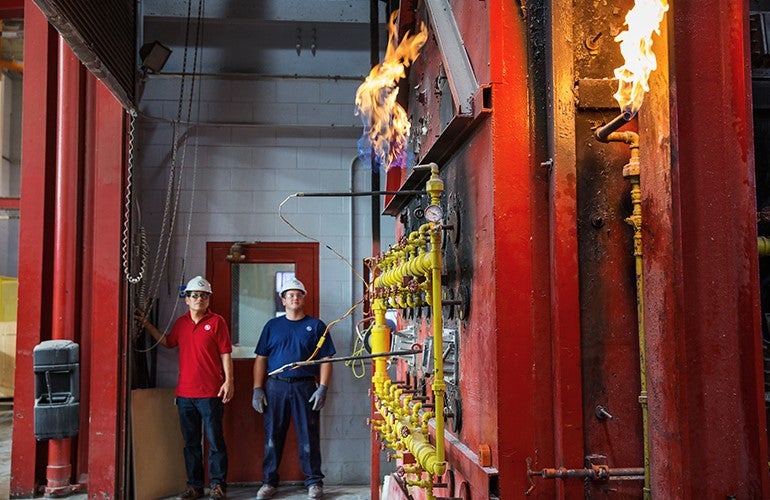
433,213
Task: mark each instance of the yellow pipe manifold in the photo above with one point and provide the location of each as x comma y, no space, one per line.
417,261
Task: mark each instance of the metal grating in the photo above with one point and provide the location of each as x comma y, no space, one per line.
102,33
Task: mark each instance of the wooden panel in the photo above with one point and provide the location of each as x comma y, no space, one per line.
157,444
7,357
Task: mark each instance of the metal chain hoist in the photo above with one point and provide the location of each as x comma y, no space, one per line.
174,185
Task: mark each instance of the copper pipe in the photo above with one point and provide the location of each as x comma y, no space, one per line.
596,473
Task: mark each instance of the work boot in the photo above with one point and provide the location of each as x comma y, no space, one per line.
191,493
315,491
266,491
217,493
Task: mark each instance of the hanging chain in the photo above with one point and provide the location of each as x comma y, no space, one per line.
133,279
171,203
198,43
172,193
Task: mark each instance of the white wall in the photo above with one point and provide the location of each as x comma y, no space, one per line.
301,137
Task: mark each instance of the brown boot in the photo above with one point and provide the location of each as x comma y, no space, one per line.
190,493
217,493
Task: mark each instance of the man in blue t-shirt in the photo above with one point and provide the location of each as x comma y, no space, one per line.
299,393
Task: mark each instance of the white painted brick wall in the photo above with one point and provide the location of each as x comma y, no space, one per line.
242,175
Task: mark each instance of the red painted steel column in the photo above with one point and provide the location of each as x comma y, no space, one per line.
569,447
509,293
59,469
38,143
705,385
106,325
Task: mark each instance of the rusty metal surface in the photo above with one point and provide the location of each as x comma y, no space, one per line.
596,93
608,320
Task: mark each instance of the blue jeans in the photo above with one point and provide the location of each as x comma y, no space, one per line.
284,401
205,413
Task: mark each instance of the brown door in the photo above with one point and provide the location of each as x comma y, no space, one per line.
245,295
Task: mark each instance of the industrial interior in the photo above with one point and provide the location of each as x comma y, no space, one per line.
539,233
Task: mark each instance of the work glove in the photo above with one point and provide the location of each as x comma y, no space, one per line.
258,400
318,398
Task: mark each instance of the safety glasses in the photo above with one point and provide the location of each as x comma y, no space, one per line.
199,295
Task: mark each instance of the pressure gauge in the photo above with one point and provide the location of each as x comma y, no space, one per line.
433,213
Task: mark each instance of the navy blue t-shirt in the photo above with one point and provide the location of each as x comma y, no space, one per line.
285,341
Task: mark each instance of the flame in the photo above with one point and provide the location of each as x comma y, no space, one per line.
636,47
386,125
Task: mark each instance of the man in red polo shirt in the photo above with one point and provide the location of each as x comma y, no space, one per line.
205,384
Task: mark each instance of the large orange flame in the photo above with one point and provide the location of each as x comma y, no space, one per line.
386,125
636,47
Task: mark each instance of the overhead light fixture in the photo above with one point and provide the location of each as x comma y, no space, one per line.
154,56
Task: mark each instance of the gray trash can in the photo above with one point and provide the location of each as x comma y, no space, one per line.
57,389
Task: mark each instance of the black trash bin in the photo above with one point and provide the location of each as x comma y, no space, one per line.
57,389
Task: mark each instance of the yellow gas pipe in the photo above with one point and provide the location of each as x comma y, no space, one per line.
402,424
380,342
434,187
631,172
763,243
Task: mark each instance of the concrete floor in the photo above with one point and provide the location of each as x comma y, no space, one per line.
297,492
235,492
6,423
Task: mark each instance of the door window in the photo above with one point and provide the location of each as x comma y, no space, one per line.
254,300
246,285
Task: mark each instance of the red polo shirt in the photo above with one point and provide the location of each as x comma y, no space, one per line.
200,348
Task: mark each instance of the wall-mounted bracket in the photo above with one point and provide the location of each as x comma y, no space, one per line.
462,80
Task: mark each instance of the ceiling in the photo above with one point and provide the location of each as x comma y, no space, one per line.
269,38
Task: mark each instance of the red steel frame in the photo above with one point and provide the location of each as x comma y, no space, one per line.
86,276
706,396
704,341
104,296
700,201
38,156
513,257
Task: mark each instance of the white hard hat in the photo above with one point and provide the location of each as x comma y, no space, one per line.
293,284
198,284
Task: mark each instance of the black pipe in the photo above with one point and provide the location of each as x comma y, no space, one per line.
603,133
362,193
296,364
374,59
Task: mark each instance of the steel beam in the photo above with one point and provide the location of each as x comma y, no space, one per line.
704,358
565,340
103,310
9,203
38,143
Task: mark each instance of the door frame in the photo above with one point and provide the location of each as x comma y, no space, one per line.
304,256
243,427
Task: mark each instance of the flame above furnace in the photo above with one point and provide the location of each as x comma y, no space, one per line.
636,47
386,125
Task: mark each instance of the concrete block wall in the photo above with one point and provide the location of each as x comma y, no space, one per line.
256,142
